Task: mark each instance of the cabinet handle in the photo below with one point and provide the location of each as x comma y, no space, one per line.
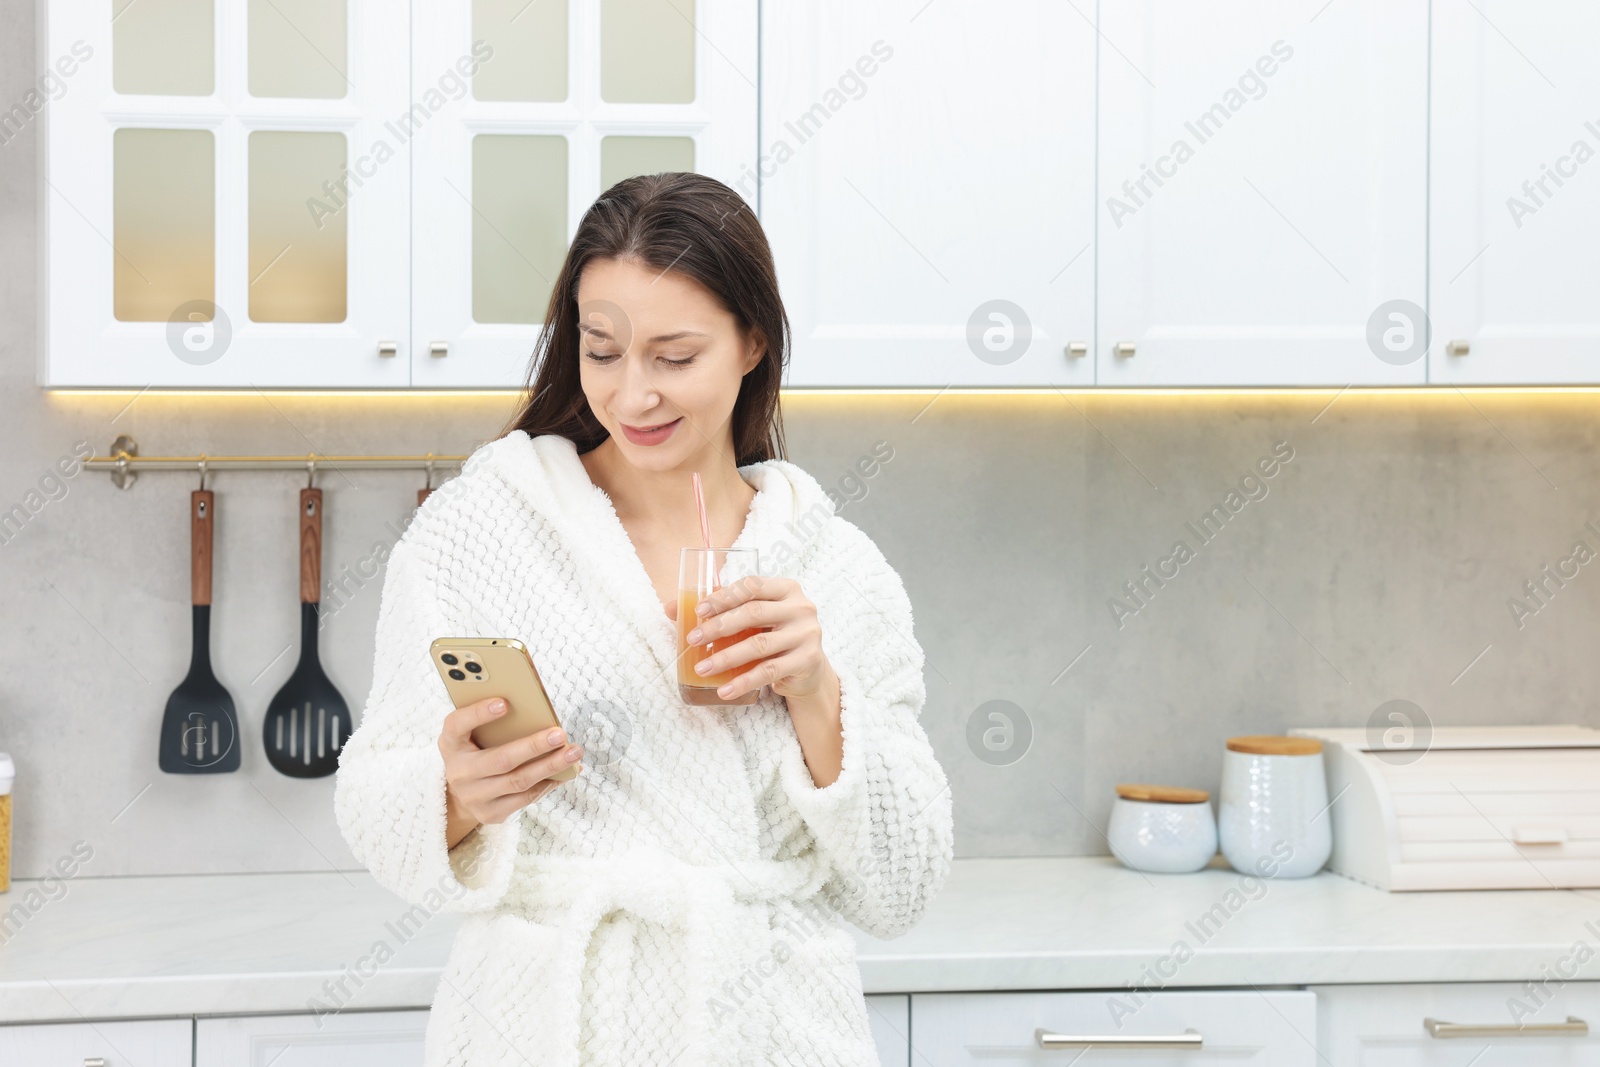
1573,1027
439,349
1077,349
1187,1039
94,1061
388,349
1123,348
1457,348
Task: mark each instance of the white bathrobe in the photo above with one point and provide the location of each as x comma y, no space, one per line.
679,901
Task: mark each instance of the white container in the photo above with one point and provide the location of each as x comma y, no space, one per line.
1465,807
1162,829
1272,819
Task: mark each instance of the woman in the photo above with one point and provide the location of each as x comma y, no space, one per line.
679,901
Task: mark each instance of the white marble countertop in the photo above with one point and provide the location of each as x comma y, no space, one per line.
103,948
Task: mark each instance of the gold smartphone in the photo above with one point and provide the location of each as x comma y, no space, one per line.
476,668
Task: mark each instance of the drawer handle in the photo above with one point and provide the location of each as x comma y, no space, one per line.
1124,349
94,1061
1187,1039
1573,1027
1539,835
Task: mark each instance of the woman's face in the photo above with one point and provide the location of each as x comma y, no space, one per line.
658,352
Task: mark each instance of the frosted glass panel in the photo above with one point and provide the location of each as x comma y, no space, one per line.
297,257
530,49
647,51
519,224
163,222
162,46
623,157
298,48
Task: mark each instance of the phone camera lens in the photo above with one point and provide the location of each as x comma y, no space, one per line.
457,675
474,668
449,659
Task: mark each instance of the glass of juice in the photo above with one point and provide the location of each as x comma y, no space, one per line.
701,571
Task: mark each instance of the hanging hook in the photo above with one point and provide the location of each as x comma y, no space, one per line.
311,470
202,472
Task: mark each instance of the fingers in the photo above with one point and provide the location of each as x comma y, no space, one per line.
757,646
530,774
767,672
456,732
752,587
501,808
510,755
751,614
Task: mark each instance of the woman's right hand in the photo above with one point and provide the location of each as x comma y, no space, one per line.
485,785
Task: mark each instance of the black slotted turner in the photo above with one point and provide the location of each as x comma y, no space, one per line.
307,722
199,728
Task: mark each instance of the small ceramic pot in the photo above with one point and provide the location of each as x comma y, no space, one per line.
1272,819
1162,829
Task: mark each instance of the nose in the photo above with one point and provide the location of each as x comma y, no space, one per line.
637,395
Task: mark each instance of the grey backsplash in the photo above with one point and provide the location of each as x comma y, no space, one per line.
1379,564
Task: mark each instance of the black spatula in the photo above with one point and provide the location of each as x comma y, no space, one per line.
199,729
307,722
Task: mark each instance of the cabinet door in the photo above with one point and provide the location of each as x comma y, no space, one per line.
927,183
1384,1025
890,1017
1515,193
1262,185
343,1039
1273,1029
138,1043
223,203
564,99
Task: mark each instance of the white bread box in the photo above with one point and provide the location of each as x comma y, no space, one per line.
1482,807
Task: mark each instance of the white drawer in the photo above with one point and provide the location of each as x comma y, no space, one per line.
1383,1025
132,1043
1270,1028
343,1039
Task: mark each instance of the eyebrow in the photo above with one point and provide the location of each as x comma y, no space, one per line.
654,340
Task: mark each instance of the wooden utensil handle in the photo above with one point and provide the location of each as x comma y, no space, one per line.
202,513
310,545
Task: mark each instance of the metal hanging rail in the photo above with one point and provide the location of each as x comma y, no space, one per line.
124,461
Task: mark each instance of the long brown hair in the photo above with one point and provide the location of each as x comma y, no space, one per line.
701,228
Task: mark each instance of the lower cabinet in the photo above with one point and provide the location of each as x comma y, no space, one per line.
344,1039
135,1043
890,1016
1440,1024
1269,1028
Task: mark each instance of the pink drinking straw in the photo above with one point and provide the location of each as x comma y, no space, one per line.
705,525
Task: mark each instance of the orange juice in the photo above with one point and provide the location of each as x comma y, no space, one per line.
702,688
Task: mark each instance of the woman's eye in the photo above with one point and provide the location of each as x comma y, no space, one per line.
602,357
680,362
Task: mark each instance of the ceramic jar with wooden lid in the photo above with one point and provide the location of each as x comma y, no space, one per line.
1272,816
1164,829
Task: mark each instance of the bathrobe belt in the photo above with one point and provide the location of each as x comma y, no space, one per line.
698,901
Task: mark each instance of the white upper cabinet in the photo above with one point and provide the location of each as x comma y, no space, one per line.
208,217
928,189
564,100
1262,192
1515,193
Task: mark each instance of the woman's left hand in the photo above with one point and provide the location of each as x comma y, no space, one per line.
788,644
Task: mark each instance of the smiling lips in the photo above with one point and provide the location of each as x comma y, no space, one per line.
653,435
